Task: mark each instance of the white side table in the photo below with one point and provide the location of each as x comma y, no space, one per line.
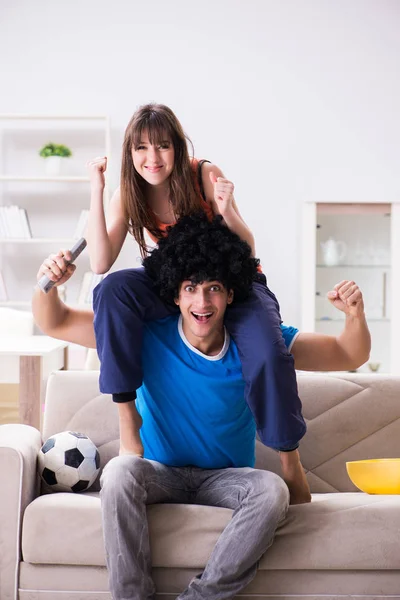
29,360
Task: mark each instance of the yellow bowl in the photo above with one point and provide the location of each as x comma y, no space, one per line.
375,476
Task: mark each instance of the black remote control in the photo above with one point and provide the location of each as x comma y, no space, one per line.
45,283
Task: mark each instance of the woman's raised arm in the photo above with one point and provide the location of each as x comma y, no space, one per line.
105,238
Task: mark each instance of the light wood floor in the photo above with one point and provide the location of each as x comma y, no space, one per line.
9,403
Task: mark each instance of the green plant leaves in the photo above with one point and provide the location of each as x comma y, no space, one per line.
51,149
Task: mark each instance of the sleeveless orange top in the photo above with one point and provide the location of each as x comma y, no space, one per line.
202,204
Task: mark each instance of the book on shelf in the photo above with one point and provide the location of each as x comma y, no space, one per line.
26,226
14,223
89,282
3,228
82,224
3,289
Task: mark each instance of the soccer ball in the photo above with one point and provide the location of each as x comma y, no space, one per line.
69,462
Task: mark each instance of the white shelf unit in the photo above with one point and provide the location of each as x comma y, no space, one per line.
385,330
44,178
70,240
27,305
16,304
20,257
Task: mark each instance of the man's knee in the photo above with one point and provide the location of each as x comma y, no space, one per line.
123,471
270,488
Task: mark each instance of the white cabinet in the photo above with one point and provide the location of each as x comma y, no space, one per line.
53,203
360,242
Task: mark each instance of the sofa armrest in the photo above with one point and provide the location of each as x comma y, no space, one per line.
19,446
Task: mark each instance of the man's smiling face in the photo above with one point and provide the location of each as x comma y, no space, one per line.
203,306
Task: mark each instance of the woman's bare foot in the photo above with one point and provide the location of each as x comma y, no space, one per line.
130,423
134,447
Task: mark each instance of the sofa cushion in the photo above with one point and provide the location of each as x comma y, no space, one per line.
65,529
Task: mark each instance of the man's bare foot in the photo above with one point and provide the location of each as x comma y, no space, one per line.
295,477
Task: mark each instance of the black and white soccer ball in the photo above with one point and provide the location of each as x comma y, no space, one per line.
69,462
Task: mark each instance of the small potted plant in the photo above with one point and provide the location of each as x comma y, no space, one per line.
54,153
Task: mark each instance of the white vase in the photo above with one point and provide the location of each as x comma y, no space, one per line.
53,166
333,252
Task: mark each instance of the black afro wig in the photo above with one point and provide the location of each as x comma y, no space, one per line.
199,250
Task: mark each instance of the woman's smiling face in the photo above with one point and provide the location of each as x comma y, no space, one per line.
154,162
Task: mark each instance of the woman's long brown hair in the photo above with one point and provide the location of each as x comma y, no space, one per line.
160,123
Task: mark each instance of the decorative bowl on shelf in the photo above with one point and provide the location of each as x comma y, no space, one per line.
375,476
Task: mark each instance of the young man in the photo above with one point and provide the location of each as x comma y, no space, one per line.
198,432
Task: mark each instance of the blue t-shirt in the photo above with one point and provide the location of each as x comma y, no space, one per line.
193,406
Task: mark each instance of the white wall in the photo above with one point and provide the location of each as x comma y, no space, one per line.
293,99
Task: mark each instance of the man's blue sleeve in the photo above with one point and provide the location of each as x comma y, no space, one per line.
289,335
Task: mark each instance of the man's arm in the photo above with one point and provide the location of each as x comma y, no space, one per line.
347,351
55,318
60,321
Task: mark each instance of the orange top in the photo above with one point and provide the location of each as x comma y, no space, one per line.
202,204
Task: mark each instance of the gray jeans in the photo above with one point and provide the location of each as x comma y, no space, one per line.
258,498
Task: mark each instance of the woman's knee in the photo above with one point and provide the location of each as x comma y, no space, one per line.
263,296
125,280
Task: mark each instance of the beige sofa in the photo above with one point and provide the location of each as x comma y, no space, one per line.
343,544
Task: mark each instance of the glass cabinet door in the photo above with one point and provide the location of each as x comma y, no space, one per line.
353,242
